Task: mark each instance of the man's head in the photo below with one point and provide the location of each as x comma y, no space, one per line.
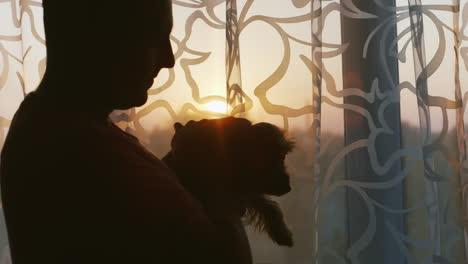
109,50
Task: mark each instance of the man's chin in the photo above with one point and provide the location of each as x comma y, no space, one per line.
131,101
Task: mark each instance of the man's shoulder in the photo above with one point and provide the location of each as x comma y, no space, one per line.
33,123
38,133
54,140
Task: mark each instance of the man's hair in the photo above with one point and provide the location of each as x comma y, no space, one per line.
70,24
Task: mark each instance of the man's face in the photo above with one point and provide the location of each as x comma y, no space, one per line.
135,57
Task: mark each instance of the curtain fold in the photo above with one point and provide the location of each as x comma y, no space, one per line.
374,92
420,68
233,72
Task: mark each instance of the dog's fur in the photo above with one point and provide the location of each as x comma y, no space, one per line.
232,166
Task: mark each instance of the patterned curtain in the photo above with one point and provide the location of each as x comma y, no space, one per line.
373,91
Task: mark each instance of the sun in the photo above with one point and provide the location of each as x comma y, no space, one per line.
217,107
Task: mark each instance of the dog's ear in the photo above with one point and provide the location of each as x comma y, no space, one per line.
178,126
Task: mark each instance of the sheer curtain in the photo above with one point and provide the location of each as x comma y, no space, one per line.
373,91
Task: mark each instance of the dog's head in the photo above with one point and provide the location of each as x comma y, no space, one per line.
266,159
248,157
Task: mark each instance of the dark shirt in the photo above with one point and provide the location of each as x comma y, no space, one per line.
77,189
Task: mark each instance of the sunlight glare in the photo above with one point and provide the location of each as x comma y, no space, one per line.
217,107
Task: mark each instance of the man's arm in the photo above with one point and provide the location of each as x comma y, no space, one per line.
156,211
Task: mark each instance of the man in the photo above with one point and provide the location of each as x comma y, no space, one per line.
75,188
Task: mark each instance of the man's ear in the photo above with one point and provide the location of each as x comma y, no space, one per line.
178,126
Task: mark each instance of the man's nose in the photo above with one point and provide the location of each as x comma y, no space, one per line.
165,58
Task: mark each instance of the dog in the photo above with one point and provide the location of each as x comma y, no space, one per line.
232,167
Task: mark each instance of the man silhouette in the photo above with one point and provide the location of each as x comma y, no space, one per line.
77,189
